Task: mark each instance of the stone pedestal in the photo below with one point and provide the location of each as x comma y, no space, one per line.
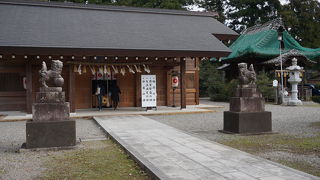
51,134
247,122
247,113
51,125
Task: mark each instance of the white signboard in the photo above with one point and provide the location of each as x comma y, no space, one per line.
274,83
148,90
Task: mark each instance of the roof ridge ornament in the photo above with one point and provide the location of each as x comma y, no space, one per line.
274,24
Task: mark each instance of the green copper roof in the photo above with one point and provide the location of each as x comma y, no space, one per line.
265,45
291,43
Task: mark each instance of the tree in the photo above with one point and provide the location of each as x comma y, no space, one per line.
247,13
214,5
212,84
302,19
208,76
263,84
88,1
167,4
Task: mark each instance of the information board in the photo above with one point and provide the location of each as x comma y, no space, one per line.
148,90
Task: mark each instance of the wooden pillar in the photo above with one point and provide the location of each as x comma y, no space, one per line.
138,89
71,88
169,88
196,79
29,95
183,83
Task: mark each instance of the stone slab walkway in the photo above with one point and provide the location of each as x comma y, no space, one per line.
168,153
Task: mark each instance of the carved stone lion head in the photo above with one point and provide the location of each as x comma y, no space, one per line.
56,66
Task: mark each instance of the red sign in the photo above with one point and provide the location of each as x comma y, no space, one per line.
99,76
175,81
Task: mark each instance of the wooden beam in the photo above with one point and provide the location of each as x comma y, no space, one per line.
6,69
121,63
108,52
29,97
71,88
183,83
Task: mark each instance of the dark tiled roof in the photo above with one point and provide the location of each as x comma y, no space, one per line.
272,24
288,56
108,7
68,25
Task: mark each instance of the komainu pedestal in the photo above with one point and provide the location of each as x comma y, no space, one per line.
247,113
51,125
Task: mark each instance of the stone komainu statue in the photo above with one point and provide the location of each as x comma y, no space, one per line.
54,73
246,76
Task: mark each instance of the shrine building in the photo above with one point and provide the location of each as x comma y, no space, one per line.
108,45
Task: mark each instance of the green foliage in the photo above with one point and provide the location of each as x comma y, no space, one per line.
212,84
302,19
247,13
89,1
208,76
222,91
264,85
316,99
215,6
167,4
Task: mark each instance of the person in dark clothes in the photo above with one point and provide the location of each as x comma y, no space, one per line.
100,93
115,91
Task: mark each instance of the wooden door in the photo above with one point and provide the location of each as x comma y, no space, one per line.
127,85
83,94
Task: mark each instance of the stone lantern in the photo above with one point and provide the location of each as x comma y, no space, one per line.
294,80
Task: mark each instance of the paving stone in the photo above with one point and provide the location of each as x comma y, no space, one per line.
220,168
271,178
173,154
238,176
204,173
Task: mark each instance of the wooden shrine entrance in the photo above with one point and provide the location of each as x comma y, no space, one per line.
130,83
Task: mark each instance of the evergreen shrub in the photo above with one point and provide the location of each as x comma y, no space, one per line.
316,99
264,84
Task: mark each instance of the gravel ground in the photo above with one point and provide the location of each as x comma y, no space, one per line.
28,164
285,120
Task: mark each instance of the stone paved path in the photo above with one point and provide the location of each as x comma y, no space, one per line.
172,154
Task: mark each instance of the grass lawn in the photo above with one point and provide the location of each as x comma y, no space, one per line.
95,160
294,146
1,172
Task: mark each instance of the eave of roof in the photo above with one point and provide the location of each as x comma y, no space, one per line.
72,5
54,29
288,56
110,52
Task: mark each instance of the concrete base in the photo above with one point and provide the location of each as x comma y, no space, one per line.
50,134
294,102
247,122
